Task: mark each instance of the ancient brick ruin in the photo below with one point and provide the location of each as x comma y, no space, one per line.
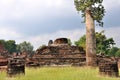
59,52
3,51
108,67
32,62
3,56
3,61
15,66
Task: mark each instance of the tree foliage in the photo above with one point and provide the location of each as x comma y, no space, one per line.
118,53
25,47
81,42
114,51
12,47
9,45
69,41
95,6
103,44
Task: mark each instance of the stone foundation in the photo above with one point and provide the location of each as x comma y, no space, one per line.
16,66
108,68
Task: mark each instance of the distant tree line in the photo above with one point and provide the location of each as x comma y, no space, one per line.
12,47
104,45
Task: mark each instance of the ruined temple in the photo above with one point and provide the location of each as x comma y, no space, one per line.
3,55
59,52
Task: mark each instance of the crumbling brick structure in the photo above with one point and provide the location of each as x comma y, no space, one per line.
16,66
32,62
3,51
3,55
3,61
108,67
59,52
61,41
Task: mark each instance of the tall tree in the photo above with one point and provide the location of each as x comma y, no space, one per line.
92,10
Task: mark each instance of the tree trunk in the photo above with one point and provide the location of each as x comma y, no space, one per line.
90,39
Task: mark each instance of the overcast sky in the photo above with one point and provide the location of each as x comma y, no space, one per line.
38,21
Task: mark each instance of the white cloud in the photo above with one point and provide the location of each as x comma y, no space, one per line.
74,35
111,4
114,32
42,9
19,9
43,39
7,33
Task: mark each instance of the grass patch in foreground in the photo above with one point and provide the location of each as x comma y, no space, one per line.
2,75
62,73
58,73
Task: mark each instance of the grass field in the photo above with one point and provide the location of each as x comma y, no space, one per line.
59,73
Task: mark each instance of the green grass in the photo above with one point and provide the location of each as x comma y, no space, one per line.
61,73
2,75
